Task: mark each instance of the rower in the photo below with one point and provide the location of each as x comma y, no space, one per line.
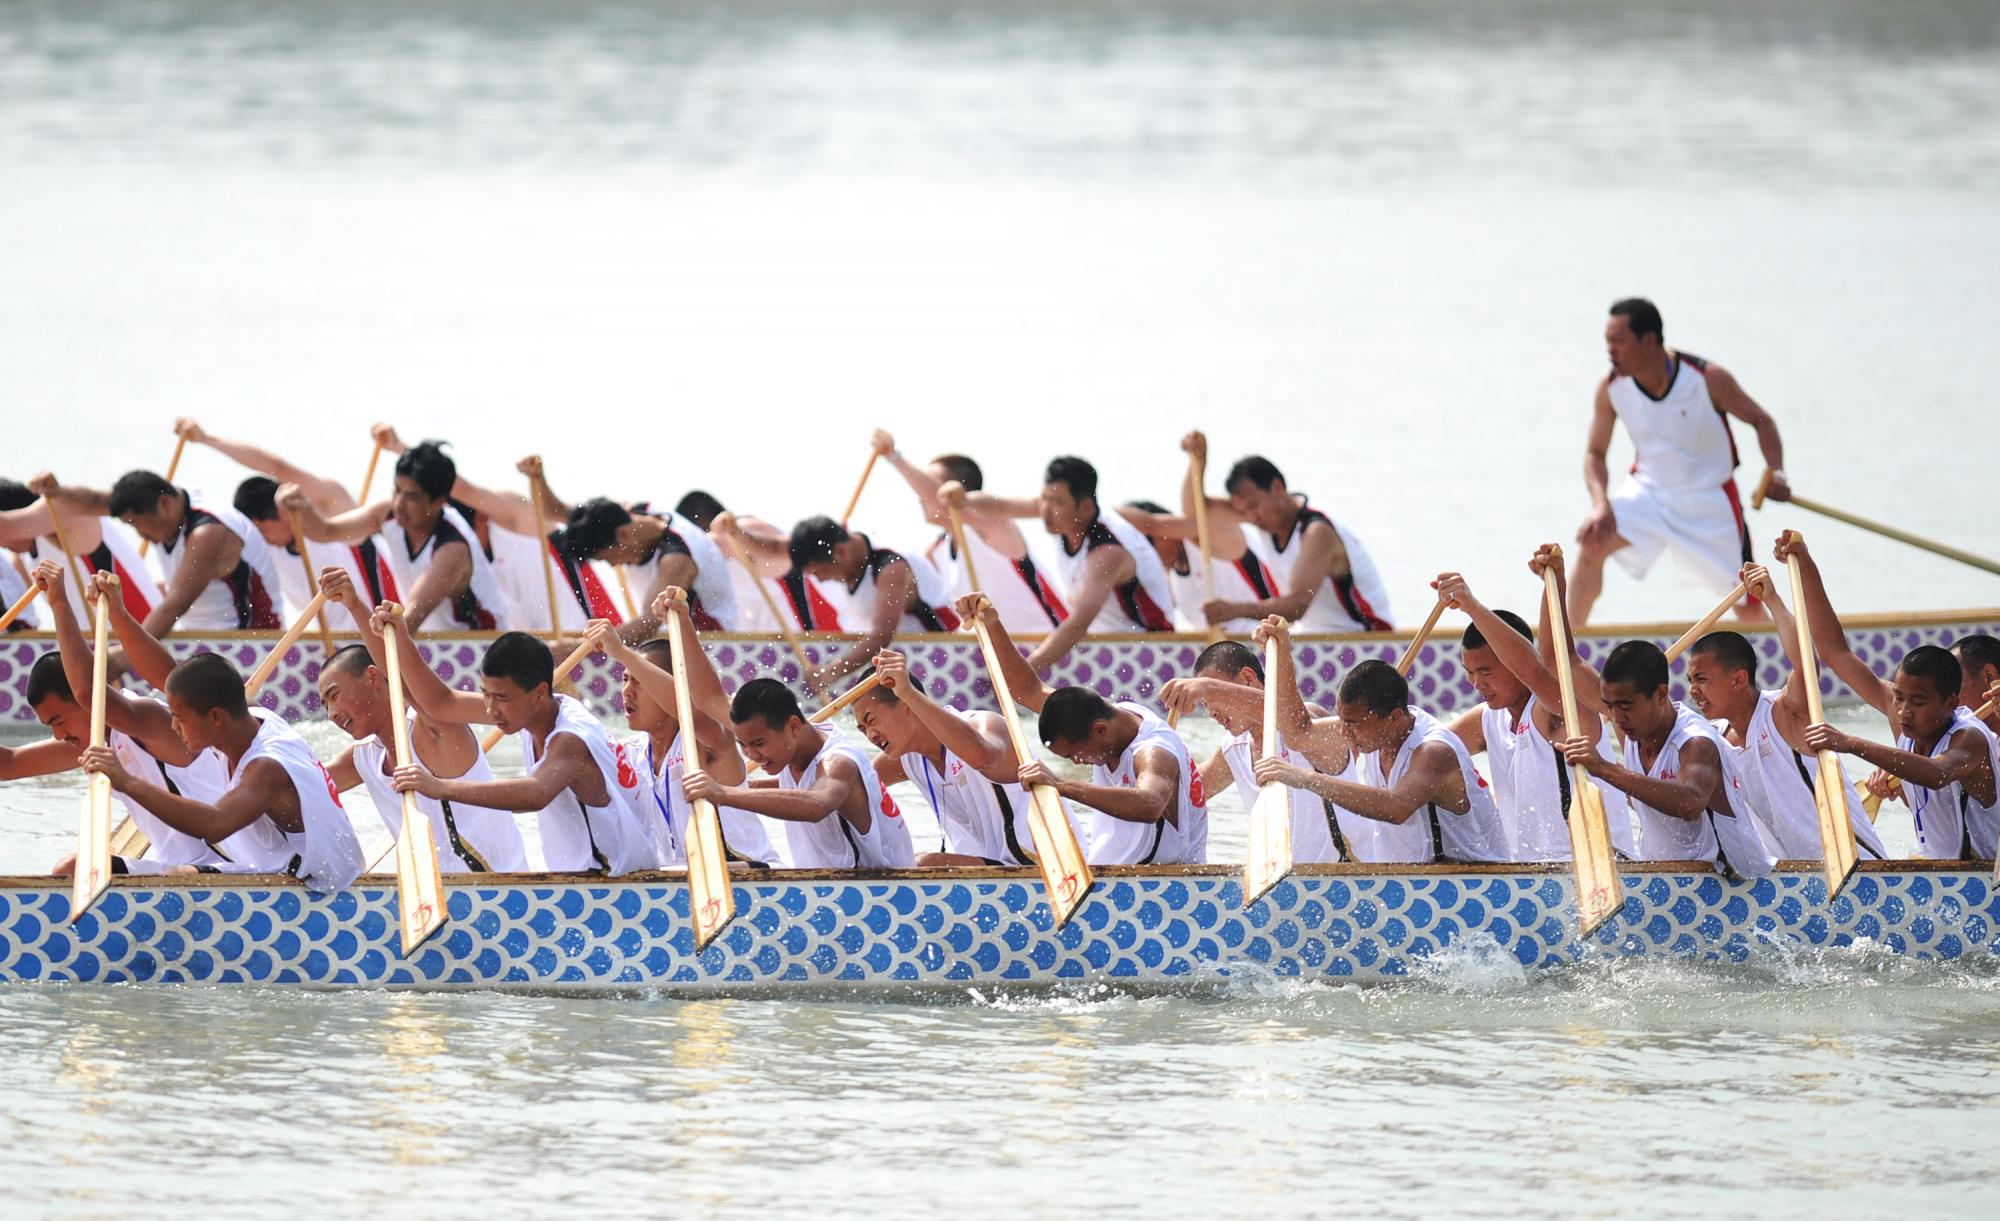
140,731
835,812
365,562
278,811
588,795
887,591
767,561
1228,680
652,709
1428,788
433,550
1020,591
961,760
354,690
1114,577
1947,759
103,544
1979,659
1766,734
220,573
1682,490
1329,581
1146,802
1241,581
1517,724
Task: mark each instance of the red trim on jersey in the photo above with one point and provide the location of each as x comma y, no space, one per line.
135,601
597,598
824,617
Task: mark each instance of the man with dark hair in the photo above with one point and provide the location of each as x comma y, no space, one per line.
1146,802
1115,580
365,562
587,793
1682,493
1411,772
1019,591
278,811
665,730
1765,732
887,591
1242,580
836,813
103,544
1228,680
1517,724
433,550
1947,759
961,760
354,690
220,573
1979,658
1317,572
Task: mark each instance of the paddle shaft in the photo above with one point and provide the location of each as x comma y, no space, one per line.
69,552
548,561
575,658
419,880
1599,888
1409,657
846,697
368,479
1198,476
965,553
20,605
1876,527
1707,621
269,665
92,869
173,468
856,498
1830,794
710,900
764,589
312,582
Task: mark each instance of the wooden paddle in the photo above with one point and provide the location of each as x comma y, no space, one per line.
368,479
496,735
419,881
548,563
856,498
265,668
1065,873
784,625
173,468
958,537
20,605
312,582
1600,892
1836,833
710,899
1875,527
625,592
92,872
1198,476
69,552
1700,629
1269,857
846,697
1409,657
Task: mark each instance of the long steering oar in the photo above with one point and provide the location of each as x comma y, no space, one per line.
1269,856
1836,833
1700,629
1875,527
856,498
265,668
20,605
1065,872
785,627
419,883
93,830
496,735
1418,641
312,582
710,899
173,468
1600,892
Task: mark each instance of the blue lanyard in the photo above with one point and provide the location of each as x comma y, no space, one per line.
653,783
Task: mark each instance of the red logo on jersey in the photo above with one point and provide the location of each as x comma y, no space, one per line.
332,789
889,806
1197,796
628,777
1481,779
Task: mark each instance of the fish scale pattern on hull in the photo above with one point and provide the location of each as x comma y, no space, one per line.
993,929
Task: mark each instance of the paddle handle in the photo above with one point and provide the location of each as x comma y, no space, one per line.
846,697
856,498
20,605
1700,629
494,736
268,666
1762,489
1418,641
368,479
958,537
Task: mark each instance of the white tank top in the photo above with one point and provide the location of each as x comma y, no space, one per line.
366,564
1951,825
716,605
481,605
469,838
1143,604
1777,784
1531,786
1711,837
976,816
1244,580
119,554
1021,592
1117,841
745,836
326,856
1357,602
1476,835
203,780
832,842
1682,440
246,597
934,611
583,591
617,837
1312,822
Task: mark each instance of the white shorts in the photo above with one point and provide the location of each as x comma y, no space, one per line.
1704,529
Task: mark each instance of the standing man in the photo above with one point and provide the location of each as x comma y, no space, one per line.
1682,492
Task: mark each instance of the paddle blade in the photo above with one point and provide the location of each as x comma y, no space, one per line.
1065,873
128,840
1269,857
1600,891
93,849
1836,831
419,882
709,896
